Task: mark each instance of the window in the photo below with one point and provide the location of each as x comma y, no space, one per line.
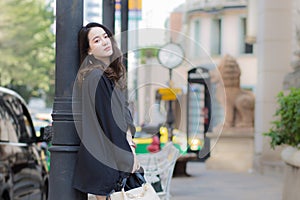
9,125
196,38
93,4
216,39
92,14
245,48
3,128
15,126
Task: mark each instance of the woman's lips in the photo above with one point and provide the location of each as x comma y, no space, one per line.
107,49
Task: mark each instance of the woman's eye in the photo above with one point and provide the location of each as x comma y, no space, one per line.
96,41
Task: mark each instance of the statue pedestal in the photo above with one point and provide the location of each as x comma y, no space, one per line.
232,149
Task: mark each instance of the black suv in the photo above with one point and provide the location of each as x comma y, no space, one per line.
22,171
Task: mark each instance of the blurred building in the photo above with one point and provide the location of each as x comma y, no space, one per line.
261,35
92,11
212,29
217,28
207,30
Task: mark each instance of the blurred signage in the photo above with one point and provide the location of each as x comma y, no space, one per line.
169,94
134,8
199,101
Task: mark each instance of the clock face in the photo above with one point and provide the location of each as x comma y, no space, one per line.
171,55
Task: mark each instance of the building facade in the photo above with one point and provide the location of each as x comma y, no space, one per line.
261,35
217,28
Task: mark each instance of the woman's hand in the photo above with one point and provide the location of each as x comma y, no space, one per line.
136,164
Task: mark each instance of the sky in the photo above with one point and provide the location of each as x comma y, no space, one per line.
155,12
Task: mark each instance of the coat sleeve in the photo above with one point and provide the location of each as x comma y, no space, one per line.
129,120
110,114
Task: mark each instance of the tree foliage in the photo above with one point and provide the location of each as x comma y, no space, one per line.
27,46
148,52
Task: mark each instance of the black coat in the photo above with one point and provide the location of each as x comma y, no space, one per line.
104,154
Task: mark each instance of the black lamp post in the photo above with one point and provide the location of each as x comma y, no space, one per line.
69,18
170,115
170,56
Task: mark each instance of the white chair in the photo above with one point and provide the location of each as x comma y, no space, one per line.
159,166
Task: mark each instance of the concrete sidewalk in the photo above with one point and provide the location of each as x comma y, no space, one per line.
221,185
205,184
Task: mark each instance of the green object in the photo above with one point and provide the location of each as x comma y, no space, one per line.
141,148
286,128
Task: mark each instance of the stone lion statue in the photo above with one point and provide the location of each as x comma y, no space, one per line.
238,103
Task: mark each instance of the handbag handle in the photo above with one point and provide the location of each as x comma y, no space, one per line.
120,185
124,180
136,196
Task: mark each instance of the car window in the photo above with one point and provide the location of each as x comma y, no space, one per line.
3,131
15,121
8,124
27,132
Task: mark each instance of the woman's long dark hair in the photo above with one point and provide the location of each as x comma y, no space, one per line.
116,69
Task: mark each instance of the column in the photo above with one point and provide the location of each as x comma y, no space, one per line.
274,53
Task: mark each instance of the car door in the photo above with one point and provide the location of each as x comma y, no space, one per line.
25,167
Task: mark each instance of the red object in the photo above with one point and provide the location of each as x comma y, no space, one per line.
155,145
205,113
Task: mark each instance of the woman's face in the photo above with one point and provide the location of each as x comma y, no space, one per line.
100,44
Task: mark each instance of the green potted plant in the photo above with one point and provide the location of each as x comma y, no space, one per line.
285,129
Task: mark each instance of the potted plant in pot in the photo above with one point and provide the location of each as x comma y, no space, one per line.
285,131
286,127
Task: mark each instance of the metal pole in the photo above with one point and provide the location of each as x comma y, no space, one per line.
124,30
170,115
108,14
170,120
65,142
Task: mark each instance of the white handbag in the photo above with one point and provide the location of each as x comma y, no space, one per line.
145,192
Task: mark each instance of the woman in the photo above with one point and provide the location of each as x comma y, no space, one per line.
106,152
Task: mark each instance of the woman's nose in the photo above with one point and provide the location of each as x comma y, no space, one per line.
104,42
